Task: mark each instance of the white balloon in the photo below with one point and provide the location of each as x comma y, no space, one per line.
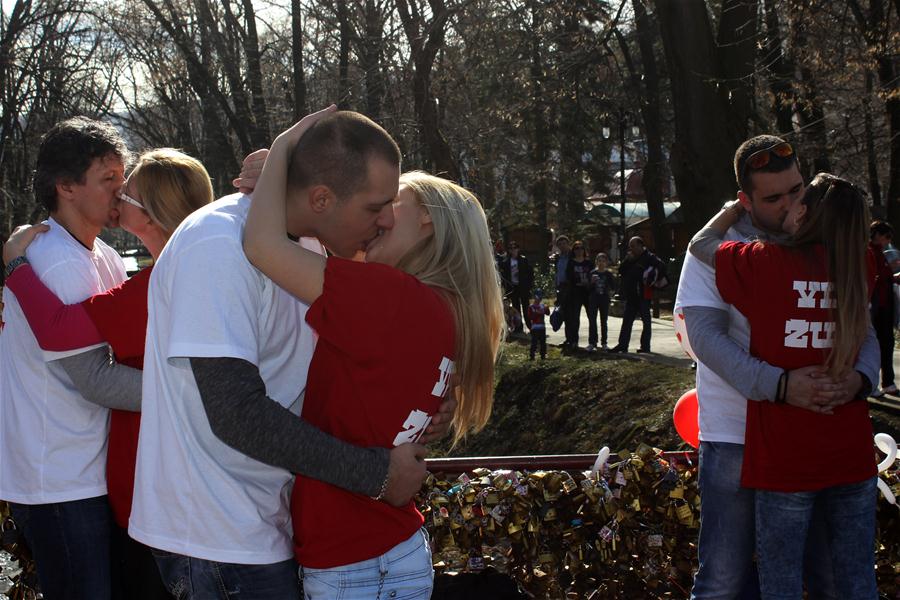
602,457
681,333
888,494
887,445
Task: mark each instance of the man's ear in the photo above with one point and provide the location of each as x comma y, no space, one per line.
744,199
320,198
65,189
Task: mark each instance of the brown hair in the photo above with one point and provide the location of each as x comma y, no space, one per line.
837,216
750,147
67,151
335,152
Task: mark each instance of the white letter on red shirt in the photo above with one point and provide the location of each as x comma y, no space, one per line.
443,382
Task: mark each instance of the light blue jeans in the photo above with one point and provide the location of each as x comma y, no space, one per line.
728,533
402,573
782,521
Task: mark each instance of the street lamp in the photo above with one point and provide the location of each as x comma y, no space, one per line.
621,117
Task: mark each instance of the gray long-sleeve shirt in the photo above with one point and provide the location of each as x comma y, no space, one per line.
103,381
243,417
265,431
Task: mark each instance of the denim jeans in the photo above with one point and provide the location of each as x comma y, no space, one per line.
727,525
728,533
402,573
598,303
189,578
135,575
70,544
782,521
578,299
539,338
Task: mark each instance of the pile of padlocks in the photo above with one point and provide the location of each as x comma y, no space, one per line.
627,531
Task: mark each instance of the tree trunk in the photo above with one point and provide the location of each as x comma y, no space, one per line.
425,39
260,133
230,63
539,150
370,60
869,132
736,42
343,13
654,170
570,192
875,28
705,140
887,75
781,71
299,79
810,114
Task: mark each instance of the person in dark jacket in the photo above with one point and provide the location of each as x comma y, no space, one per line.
517,277
882,304
603,286
639,269
560,262
578,276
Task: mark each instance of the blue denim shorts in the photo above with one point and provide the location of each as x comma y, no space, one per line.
402,573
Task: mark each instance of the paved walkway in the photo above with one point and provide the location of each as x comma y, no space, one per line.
665,347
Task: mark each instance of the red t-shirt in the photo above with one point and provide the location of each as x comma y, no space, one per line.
380,369
789,449
120,315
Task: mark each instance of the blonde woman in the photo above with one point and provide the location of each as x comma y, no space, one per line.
806,302
392,331
164,187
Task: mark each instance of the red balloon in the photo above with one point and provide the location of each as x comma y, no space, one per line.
685,417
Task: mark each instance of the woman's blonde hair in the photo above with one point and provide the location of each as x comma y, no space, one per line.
172,185
837,216
458,259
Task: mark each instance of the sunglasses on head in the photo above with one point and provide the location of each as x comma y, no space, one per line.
761,158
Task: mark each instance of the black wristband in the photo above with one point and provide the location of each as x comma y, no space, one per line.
13,264
781,392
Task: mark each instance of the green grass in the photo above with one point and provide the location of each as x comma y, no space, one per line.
570,404
577,403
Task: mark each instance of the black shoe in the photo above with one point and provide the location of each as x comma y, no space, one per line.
643,350
618,349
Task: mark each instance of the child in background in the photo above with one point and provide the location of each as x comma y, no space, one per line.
536,312
603,286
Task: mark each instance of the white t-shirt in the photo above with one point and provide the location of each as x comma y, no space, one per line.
52,440
723,410
193,494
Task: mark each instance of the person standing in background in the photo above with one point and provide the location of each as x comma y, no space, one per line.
536,313
882,304
517,276
578,271
560,261
603,286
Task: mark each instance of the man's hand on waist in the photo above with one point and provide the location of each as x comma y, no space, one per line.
406,473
